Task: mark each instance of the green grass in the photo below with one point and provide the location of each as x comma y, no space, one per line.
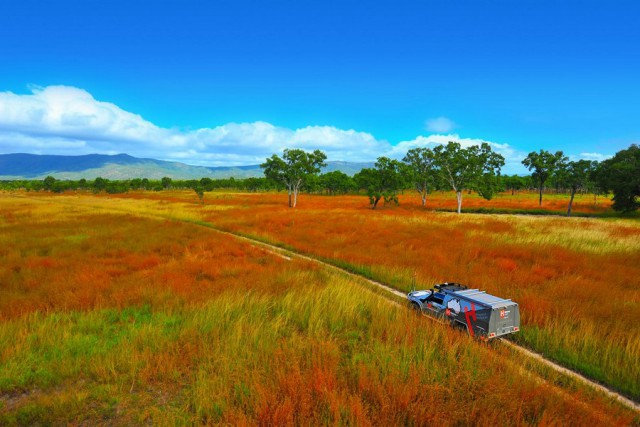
320,354
584,353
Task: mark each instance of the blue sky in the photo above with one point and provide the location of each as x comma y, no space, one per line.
232,81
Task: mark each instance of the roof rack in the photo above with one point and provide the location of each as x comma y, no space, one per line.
450,287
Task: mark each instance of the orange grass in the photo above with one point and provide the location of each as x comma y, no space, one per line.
114,317
103,260
575,279
522,201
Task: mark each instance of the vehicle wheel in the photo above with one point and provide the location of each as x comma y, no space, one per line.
416,307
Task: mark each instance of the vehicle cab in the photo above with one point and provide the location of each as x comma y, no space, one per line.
427,299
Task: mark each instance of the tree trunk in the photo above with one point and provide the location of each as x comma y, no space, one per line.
290,199
540,201
424,200
573,193
459,197
295,197
375,202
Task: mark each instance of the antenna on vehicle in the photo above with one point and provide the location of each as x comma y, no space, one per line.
413,282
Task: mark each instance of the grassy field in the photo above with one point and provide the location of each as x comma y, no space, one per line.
576,279
521,202
110,314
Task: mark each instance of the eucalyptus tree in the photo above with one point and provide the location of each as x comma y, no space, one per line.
472,168
381,182
576,175
293,169
422,171
544,164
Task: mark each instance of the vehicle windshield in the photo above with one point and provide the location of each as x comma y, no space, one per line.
422,295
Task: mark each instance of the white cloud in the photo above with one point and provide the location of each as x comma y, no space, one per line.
439,125
68,112
68,120
593,156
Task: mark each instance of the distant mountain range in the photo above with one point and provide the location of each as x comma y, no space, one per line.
123,166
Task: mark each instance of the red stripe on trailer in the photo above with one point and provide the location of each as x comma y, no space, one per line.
468,314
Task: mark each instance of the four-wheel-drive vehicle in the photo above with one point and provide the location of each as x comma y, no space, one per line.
484,316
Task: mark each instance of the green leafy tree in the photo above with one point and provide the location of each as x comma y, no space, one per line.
422,171
293,169
575,176
199,192
254,184
472,168
487,185
544,164
206,183
312,184
381,182
336,182
117,187
136,183
621,174
166,182
514,183
99,184
60,186
48,183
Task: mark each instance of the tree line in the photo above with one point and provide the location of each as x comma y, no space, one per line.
449,167
112,186
452,167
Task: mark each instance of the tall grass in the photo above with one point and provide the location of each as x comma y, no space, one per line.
114,316
576,345
560,270
318,354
